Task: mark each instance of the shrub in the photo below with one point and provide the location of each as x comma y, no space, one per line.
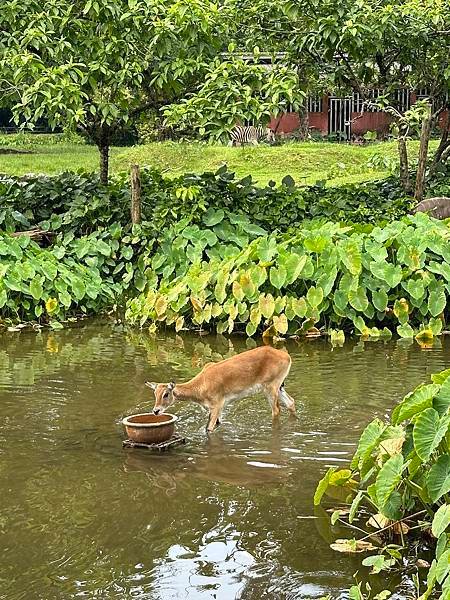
327,276
84,275
29,200
38,284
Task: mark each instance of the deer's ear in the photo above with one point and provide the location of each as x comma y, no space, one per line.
151,385
171,385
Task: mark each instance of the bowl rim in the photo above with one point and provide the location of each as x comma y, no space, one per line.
128,423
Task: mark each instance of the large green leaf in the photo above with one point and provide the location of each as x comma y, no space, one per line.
391,274
78,287
387,479
36,288
401,310
355,505
418,400
323,485
438,478
440,377
267,305
380,300
367,442
277,276
340,300
267,249
441,402
441,520
358,299
437,301
250,329
405,331
442,570
213,216
392,506
415,288
428,432
376,250
314,296
350,253
294,264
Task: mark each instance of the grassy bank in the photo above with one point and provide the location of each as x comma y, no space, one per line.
305,162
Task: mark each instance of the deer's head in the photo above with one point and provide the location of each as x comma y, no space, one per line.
164,396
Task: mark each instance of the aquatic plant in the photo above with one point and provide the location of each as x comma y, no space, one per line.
400,478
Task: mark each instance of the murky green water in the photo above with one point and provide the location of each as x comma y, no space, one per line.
226,517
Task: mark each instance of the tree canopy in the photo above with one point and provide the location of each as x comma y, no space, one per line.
98,64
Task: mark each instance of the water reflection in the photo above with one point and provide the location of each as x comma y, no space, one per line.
221,517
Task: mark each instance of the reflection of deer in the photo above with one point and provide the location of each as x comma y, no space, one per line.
262,369
241,467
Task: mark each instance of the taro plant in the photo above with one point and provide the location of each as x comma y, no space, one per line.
325,276
400,478
44,285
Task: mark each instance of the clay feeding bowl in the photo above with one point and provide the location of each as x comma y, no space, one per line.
147,428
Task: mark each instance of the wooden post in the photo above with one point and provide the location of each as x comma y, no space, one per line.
404,167
423,156
135,194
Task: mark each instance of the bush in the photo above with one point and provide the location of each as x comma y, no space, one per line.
327,276
29,200
84,275
400,473
185,219
46,285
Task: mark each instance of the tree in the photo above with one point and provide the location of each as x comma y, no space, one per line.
97,65
364,44
235,91
375,43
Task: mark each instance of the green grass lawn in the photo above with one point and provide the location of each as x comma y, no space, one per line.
306,162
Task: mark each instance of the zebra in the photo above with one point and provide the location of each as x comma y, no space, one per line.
250,135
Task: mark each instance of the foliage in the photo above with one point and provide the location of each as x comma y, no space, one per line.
217,218
47,285
85,274
98,64
325,275
25,139
361,46
83,203
401,473
236,91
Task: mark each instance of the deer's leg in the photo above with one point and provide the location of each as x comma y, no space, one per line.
214,414
287,400
272,396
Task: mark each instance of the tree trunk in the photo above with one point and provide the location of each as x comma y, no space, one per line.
404,166
443,144
135,194
104,163
303,127
423,156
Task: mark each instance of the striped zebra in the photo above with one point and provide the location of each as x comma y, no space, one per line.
250,135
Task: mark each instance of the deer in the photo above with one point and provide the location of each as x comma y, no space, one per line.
263,369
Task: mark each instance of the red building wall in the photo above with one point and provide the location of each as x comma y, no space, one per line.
360,122
370,121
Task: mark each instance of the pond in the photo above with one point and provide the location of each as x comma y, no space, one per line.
226,516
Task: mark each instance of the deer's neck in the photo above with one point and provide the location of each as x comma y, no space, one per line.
187,391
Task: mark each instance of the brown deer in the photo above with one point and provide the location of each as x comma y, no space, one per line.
262,369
